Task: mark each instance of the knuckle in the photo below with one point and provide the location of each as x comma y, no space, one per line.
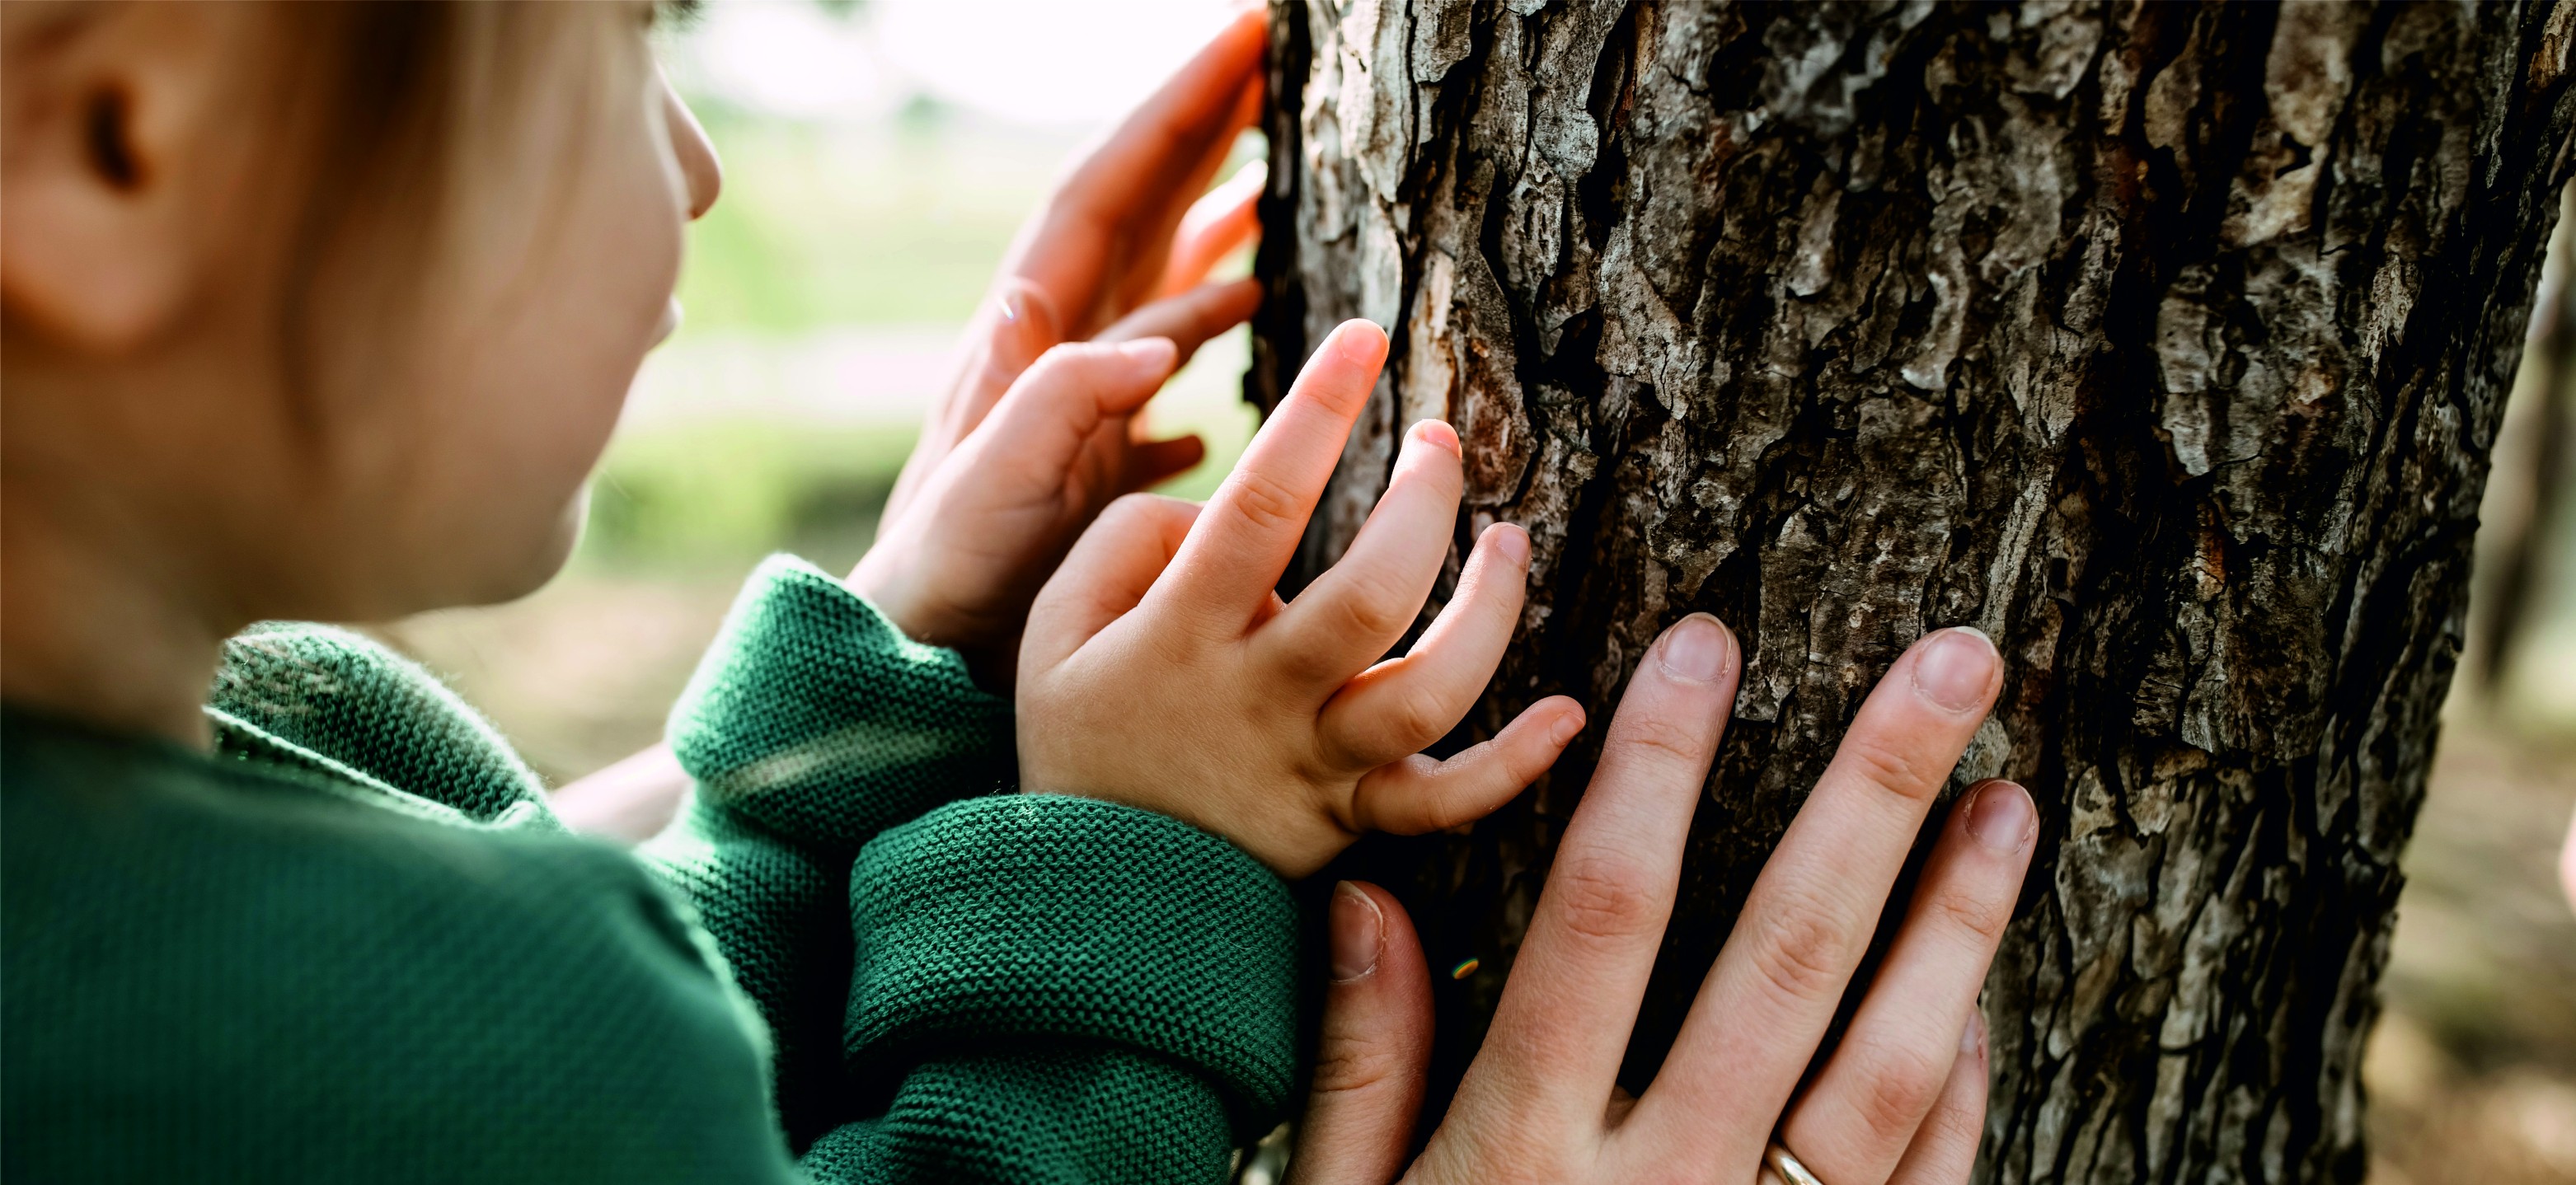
1971,914
1896,1092
1604,900
1419,716
1366,608
1352,1067
1892,767
1662,739
1265,503
1800,953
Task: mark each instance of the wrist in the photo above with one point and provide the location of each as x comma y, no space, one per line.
883,585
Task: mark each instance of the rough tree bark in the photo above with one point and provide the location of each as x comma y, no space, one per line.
2163,342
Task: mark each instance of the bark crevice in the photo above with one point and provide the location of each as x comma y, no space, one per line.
2164,342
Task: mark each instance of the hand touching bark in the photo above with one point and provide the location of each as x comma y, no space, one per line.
1160,670
1900,1099
1037,432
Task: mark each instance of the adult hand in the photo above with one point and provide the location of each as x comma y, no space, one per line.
1035,434
1900,1099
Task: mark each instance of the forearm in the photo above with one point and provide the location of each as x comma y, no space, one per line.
629,801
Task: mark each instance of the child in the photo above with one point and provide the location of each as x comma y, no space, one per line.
324,312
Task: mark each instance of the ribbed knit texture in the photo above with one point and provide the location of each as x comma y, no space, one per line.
1022,916
353,945
814,716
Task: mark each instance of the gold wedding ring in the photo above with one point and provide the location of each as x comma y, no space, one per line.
1778,1160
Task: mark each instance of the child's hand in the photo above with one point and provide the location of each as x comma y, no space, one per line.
1034,437
958,563
1160,670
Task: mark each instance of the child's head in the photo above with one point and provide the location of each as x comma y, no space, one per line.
327,310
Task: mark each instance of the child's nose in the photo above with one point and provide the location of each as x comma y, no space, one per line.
698,164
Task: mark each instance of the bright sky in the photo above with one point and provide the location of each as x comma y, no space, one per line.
1024,61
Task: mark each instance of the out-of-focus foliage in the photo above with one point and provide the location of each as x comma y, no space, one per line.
725,492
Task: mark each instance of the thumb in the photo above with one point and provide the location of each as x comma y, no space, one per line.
1041,426
1376,1046
1108,571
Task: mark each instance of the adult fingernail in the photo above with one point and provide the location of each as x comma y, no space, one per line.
1512,542
1957,668
1695,649
1439,435
2001,816
1357,932
1972,1039
1150,353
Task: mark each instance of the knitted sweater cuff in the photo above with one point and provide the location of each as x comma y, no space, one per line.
813,715
1040,917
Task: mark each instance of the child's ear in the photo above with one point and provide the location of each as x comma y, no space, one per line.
107,178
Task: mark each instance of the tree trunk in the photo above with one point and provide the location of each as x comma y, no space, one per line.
2163,342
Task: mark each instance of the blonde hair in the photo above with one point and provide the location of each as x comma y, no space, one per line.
385,107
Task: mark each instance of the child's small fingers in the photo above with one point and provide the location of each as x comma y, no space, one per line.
1419,795
1151,462
1108,571
1374,1048
1226,570
1365,603
1403,704
1052,412
1222,220
1190,318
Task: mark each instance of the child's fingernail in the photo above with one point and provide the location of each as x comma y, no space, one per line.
1358,931
1566,726
1957,668
1150,353
1513,542
1972,1039
1695,648
2000,817
1364,346
1440,435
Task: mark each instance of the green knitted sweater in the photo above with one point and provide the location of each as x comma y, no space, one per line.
353,944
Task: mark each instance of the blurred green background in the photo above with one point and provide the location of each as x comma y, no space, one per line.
878,159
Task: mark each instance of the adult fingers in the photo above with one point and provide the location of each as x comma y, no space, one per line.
1421,794
1118,207
1016,327
1767,1002
1562,1025
1151,239
1189,318
1376,1045
1355,611
1225,218
1224,573
1861,1113
1944,1151
1105,575
1402,704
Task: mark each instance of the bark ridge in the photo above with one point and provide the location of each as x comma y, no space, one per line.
2163,342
